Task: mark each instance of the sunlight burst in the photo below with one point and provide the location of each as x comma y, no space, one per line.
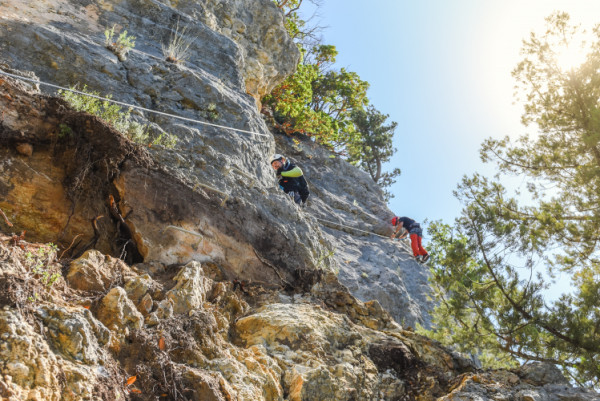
572,55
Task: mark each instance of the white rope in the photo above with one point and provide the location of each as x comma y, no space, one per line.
404,245
128,105
351,228
172,116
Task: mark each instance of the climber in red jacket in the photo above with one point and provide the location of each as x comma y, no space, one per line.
416,236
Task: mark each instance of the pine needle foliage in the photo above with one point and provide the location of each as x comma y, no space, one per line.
319,101
373,146
492,269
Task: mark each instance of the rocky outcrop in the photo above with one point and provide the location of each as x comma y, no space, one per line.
536,381
220,342
29,368
63,362
71,204
94,271
268,54
354,219
238,44
324,355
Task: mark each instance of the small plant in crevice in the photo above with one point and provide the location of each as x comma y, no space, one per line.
121,45
165,139
64,131
325,255
42,267
296,146
114,115
177,50
211,113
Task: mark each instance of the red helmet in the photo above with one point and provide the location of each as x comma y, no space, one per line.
395,220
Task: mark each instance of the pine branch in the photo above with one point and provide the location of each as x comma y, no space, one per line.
526,315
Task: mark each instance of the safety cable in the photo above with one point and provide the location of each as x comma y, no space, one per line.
92,40
352,228
127,104
405,246
39,82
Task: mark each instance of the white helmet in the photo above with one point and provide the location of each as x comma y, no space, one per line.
276,157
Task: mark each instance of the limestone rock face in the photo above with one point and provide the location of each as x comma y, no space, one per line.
246,41
269,55
502,385
191,289
94,271
541,374
187,267
38,193
213,197
29,369
119,314
325,355
139,290
219,341
211,85
169,216
76,333
371,266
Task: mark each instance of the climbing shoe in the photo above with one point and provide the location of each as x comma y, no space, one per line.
425,258
419,258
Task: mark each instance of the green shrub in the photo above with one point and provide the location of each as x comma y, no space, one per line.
41,264
211,113
114,115
121,45
64,131
166,140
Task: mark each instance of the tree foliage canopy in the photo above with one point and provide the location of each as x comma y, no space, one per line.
373,146
320,102
492,269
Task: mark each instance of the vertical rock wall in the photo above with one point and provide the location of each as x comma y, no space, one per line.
239,51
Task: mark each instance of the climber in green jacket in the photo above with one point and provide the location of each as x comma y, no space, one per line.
290,178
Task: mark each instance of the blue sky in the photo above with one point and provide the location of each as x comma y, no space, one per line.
441,69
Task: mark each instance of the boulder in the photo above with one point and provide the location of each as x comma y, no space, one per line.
94,271
541,373
29,370
75,333
324,355
191,290
119,314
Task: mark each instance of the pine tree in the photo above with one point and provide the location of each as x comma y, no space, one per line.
373,147
492,268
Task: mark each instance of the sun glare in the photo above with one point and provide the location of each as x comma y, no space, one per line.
570,58
573,55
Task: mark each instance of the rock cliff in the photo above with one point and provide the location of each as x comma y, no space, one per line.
184,273
239,52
